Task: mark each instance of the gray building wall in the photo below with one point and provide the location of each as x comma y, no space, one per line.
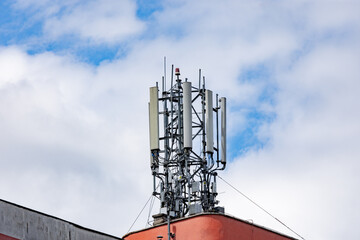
26,224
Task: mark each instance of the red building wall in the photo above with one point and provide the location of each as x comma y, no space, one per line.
209,227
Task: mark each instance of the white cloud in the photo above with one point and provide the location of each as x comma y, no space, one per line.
59,148
95,21
100,21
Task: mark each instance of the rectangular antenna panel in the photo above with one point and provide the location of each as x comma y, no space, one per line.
209,121
223,129
154,118
187,110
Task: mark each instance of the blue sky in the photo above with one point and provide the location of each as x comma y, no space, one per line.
22,26
74,79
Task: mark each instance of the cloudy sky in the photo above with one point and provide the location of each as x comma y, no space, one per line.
74,79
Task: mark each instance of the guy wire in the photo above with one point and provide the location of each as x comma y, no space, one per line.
260,207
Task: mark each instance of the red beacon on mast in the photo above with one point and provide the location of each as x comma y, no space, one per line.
177,71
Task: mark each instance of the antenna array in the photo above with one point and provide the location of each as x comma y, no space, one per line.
185,148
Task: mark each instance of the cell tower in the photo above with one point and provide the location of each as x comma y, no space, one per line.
185,149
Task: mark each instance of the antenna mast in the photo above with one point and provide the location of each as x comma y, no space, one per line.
184,159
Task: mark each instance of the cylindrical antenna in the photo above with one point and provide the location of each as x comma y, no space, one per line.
163,84
187,116
165,72
199,79
172,107
154,118
217,129
172,77
209,121
223,129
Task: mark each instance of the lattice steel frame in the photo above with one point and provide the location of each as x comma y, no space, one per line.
184,176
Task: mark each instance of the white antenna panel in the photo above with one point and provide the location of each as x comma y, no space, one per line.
154,118
187,114
223,129
209,121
